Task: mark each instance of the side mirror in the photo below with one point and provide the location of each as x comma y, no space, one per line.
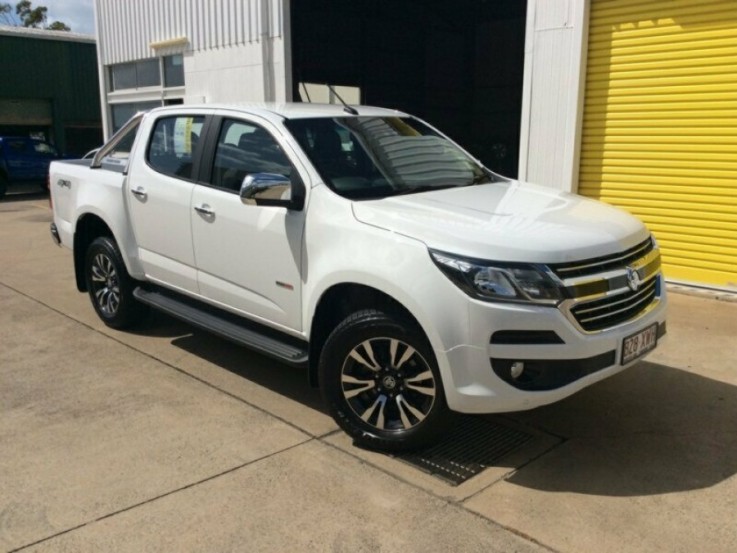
271,189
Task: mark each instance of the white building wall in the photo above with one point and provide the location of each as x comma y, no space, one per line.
126,29
236,74
233,50
553,89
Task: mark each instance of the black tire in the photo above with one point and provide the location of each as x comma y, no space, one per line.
380,382
3,186
110,286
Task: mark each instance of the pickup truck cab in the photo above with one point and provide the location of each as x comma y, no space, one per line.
24,160
366,246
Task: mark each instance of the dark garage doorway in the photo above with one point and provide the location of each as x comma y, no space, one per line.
458,65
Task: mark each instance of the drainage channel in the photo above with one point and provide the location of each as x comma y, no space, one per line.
475,444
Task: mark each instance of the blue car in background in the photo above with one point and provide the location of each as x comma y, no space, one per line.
24,160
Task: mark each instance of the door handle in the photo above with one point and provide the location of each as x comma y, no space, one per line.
139,193
204,209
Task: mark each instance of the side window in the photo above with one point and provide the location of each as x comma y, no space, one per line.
17,146
44,148
242,149
172,144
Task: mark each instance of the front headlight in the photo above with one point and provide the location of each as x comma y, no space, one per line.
491,281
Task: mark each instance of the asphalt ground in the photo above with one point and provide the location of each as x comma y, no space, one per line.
169,439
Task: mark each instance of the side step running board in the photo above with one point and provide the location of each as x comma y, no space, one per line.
225,327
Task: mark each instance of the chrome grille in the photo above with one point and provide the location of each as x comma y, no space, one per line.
607,291
602,264
615,309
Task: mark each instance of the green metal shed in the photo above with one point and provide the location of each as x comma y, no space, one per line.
50,88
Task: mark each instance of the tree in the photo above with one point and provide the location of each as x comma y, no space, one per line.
58,26
5,14
28,16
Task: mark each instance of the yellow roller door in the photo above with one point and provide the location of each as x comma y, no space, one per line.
660,127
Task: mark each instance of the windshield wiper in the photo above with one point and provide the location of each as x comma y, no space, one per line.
486,177
423,188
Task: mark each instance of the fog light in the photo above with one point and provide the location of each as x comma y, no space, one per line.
516,369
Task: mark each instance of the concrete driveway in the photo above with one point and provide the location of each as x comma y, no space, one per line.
168,439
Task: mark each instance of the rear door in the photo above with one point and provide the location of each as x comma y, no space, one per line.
159,195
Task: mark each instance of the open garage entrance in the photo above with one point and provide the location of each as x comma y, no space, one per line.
458,65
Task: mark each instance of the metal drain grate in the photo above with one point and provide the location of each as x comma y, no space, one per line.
475,444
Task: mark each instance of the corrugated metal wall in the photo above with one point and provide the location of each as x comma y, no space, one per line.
660,127
59,73
126,28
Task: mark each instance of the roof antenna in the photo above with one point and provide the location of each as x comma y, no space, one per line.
304,86
346,107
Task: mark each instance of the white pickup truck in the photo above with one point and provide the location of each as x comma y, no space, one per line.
363,244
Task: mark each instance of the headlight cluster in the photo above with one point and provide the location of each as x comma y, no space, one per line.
490,281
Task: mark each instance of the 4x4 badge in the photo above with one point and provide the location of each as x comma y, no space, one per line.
633,279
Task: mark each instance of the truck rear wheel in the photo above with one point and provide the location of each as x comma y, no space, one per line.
381,384
110,286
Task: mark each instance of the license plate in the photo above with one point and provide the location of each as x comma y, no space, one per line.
639,344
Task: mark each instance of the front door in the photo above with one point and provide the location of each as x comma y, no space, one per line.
248,257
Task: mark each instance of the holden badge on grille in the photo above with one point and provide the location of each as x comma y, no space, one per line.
633,279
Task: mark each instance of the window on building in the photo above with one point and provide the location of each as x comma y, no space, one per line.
138,74
123,112
123,76
147,73
173,143
150,77
173,70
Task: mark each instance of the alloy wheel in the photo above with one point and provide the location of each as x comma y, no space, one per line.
105,284
388,384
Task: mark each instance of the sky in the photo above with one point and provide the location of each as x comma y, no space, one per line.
77,14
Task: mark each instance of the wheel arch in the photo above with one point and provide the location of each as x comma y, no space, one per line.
89,226
340,300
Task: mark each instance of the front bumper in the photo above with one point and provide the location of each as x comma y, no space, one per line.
541,375
559,358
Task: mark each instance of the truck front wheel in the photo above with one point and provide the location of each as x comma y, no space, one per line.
110,286
381,384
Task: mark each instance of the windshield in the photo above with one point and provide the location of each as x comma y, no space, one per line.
373,157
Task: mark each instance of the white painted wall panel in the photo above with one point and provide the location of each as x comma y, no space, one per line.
553,15
235,74
126,29
549,111
235,50
552,95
